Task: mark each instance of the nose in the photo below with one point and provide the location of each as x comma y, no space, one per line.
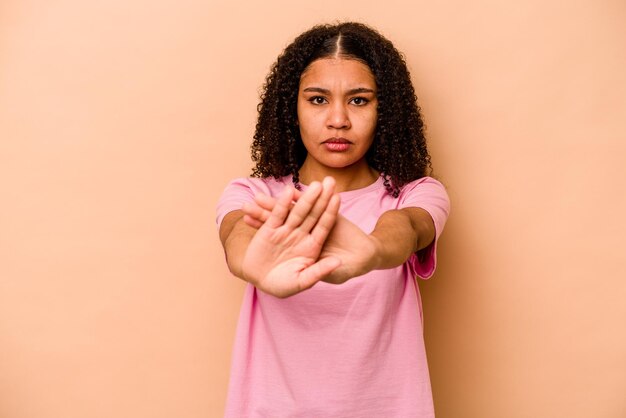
338,117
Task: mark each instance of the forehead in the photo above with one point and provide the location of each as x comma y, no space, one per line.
331,71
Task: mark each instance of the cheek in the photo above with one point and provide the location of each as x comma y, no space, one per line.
309,123
374,122
368,124
306,133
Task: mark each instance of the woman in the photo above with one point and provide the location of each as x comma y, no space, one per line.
338,220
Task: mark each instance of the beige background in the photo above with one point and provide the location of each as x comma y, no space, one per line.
121,122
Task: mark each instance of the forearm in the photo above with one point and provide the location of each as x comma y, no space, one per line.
400,233
235,235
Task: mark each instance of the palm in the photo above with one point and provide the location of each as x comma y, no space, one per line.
283,257
346,242
276,258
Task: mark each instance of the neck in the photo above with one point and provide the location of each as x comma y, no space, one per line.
354,177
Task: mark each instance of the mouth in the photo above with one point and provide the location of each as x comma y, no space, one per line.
337,141
337,144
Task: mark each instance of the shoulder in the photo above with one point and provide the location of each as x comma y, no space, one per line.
426,193
252,185
424,188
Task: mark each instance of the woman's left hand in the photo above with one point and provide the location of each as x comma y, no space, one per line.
346,241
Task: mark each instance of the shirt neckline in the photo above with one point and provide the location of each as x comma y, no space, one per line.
356,192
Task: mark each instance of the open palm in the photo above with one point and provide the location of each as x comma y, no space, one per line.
284,256
346,241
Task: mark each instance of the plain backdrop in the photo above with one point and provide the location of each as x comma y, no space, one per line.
122,121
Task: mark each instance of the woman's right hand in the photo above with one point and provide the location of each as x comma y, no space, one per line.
282,258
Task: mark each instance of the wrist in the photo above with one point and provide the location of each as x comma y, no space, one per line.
378,256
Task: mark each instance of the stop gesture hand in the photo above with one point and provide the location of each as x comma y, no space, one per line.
285,255
346,241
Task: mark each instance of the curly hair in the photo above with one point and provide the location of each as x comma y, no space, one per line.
398,152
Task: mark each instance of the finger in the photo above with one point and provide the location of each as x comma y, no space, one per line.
253,222
254,211
281,208
263,206
327,220
328,188
304,205
314,273
267,202
264,201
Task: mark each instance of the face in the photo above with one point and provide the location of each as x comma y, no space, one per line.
336,114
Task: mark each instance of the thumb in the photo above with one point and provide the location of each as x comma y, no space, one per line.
316,272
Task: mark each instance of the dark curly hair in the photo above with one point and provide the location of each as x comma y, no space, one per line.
398,151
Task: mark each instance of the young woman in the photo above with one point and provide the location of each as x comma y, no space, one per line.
339,218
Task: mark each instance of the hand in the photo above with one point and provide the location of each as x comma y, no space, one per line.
284,256
347,242
355,249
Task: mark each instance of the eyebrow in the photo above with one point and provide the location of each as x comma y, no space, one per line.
326,91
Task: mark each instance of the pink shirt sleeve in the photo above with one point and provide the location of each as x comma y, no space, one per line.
430,195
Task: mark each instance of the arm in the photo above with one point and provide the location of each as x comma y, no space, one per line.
400,233
397,234
235,235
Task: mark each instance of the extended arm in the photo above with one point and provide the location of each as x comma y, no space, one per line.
235,235
397,234
400,233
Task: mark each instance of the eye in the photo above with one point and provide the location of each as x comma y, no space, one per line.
317,100
360,101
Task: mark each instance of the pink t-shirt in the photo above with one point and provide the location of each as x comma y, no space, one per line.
350,350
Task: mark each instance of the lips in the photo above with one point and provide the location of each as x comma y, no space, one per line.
337,144
337,141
